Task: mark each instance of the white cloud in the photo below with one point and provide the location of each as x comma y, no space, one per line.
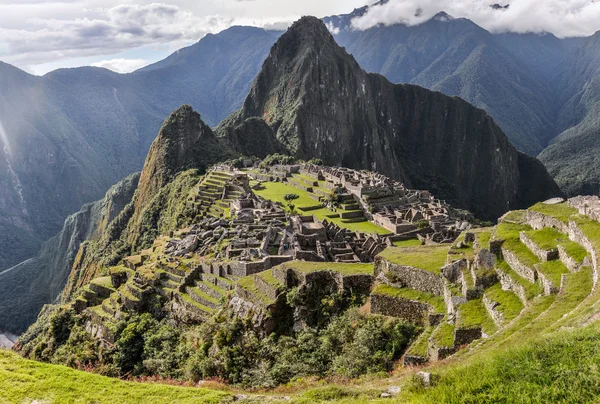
562,18
121,65
113,30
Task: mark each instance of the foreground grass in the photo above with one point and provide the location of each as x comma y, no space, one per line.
22,381
561,368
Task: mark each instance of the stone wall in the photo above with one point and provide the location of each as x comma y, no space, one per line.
539,221
544,255
526,272
411,311
576,235
567,260
464,336
412,278
509,283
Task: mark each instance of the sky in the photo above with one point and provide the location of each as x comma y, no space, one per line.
122,35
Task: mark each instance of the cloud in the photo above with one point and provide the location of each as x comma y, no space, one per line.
121,65
111,31
560,17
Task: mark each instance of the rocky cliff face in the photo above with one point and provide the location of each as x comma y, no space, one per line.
319,103
40,280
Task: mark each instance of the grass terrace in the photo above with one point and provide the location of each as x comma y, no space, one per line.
560,211
26,381
574,250
474,314
507,231
521,251
560,368
553,270
516,216
531,289
444,335
437,302
546,238
428,257
407,243
276,191
509,304
421,346
590,228
247,283
339,267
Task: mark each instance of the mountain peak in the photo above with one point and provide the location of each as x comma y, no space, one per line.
442,16
307,29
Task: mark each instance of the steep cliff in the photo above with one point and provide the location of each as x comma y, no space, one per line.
25,288
319,103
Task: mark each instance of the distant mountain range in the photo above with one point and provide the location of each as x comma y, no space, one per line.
74,132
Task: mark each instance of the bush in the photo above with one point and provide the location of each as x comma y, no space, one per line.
290,197
274,159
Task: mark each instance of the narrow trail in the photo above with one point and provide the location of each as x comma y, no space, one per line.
15,267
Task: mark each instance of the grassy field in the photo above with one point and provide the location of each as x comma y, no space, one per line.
276,191
342,268
23,381
429,258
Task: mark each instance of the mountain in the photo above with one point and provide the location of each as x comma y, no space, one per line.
66,137
25,288
458,57
318,102
572,158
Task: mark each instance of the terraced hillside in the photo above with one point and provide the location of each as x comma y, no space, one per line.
239,265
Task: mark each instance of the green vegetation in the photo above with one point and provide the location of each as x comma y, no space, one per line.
520,250
590,228
560,211
574,250
437,302
561,368
421,345
553,270
443,336
276,192
508,303
340,267
407,243
274,159
247,283
547,238
515,216
508,231
531,289
428,257
474,314
22,381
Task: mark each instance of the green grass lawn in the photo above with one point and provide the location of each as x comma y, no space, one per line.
407,243
473,314
23,381
553,270
509,304
531,289
276,191
562,368
574,250
340,267
428,257
443,335
546,238
421,346
437,302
